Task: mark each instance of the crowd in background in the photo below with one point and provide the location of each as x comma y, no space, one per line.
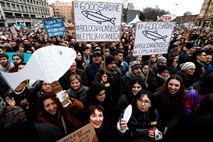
169,95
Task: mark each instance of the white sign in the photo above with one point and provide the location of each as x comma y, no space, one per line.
152,38
166,18
47,63
97,21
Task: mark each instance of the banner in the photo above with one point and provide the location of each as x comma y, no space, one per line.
97,21
152,38
54,27
84,134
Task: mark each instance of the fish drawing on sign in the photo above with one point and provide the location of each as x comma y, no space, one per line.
47,63
154,35
166,18
98,17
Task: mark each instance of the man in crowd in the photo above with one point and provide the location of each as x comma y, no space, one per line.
5,64
17,58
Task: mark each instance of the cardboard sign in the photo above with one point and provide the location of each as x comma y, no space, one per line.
54,27
84,134
152,38
97,21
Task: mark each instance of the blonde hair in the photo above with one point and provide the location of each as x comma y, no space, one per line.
75,76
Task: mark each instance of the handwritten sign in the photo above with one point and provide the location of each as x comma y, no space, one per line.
54,27
84,134
97,21
152,38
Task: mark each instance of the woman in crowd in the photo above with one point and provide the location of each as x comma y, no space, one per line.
45,87
187,74
132,88
170,102
99,95
77,90
96,115
144,123
50,110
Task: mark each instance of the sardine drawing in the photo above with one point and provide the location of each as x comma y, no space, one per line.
98,17
47,63
154,35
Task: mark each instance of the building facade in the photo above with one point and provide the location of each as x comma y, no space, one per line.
63,10
187,19
23,11
206,14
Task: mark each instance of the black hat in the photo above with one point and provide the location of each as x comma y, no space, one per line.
96,87
109,59
162,68
97,53
97,48
20,55
135,64
189,45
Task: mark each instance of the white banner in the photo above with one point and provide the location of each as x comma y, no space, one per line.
97,21
152,38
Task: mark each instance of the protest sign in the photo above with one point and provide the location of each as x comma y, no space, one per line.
54,27
84,134
48,63
97,21
152,38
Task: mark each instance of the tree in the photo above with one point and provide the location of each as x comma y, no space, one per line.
142,16
152,13
187,13
130,6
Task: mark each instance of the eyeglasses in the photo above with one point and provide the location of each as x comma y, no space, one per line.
16,58
144,101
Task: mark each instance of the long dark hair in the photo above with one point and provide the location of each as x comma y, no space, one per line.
179,97
42,114
132,81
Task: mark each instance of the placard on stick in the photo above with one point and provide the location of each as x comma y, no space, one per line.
97,21
152,37
84,134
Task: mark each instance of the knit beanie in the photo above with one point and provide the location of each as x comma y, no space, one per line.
189,45
20,55
161,59
187,65
135,64
109,59
162,68
96,87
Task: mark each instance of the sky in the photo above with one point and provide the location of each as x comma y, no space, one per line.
177,7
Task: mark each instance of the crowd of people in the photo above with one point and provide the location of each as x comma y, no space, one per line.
170,95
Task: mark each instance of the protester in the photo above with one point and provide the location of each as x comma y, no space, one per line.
96,115
28,131
99,95
17,58
131,90
77,90
50,110
136,71
64,80
93,67
144,121
170,102
5,63
113,74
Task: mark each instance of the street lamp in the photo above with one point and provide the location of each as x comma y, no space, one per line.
175,8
